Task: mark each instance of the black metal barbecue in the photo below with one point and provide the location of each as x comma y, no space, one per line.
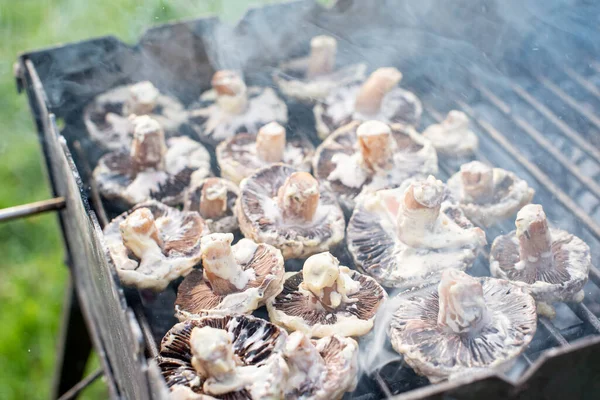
526,74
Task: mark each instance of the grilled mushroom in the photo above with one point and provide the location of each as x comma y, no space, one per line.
312,78
214,199
406,237
153,244
243,154
462,325
235,279
372,155
550,263
232,357
230,107
488,195
321,369
377,98
106,118
153,168
452,137
326,299
289,210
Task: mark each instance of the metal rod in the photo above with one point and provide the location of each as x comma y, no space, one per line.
25,210
138,309
555,333
88,380
583,81
94,194
586,315
382,385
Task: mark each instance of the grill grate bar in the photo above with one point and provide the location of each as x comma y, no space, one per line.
553,331
585,314
382,384
581,80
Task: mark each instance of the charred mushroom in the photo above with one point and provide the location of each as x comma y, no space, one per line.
243,154
214,199
488,195
321,369
326,299
462,325
232,357
550,263
230,107
235,279
106,118
153,244
452,137
371,155
153,168
377,98
289,210
312,78
406,237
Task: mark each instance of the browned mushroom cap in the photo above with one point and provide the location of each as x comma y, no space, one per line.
231,357
321,369
312,78
452,137
230,107
377,98
243,154
488,195
153,168
289,210
236,279
214,199
153,244
551,263
406,237
326,299
463,324
106,118
372,155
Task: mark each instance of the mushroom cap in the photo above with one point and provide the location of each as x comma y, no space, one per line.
373,241
214,125
293,309
185,161
337,109
238,158
227,223
453,137
415,156
117,134
256,342
560,282
437,352
180,233
261,219
181,392
196,298
511,193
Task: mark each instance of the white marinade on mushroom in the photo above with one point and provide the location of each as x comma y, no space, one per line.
231,107
289,210
453,137
312,78
550,263
372,155
153,244
241,155
214,199
107,117
463,324
406,237
489,195
234,279
378,98
326,299
154,168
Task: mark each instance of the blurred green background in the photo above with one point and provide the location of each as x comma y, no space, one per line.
33,277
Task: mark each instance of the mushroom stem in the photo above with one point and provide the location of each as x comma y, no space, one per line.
213,198
322,56
270,142
372,92
298,198
143,97
140,234
461,303
220,266
376,144
302,358
456,120
478,182
232,94
535,240
148,147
